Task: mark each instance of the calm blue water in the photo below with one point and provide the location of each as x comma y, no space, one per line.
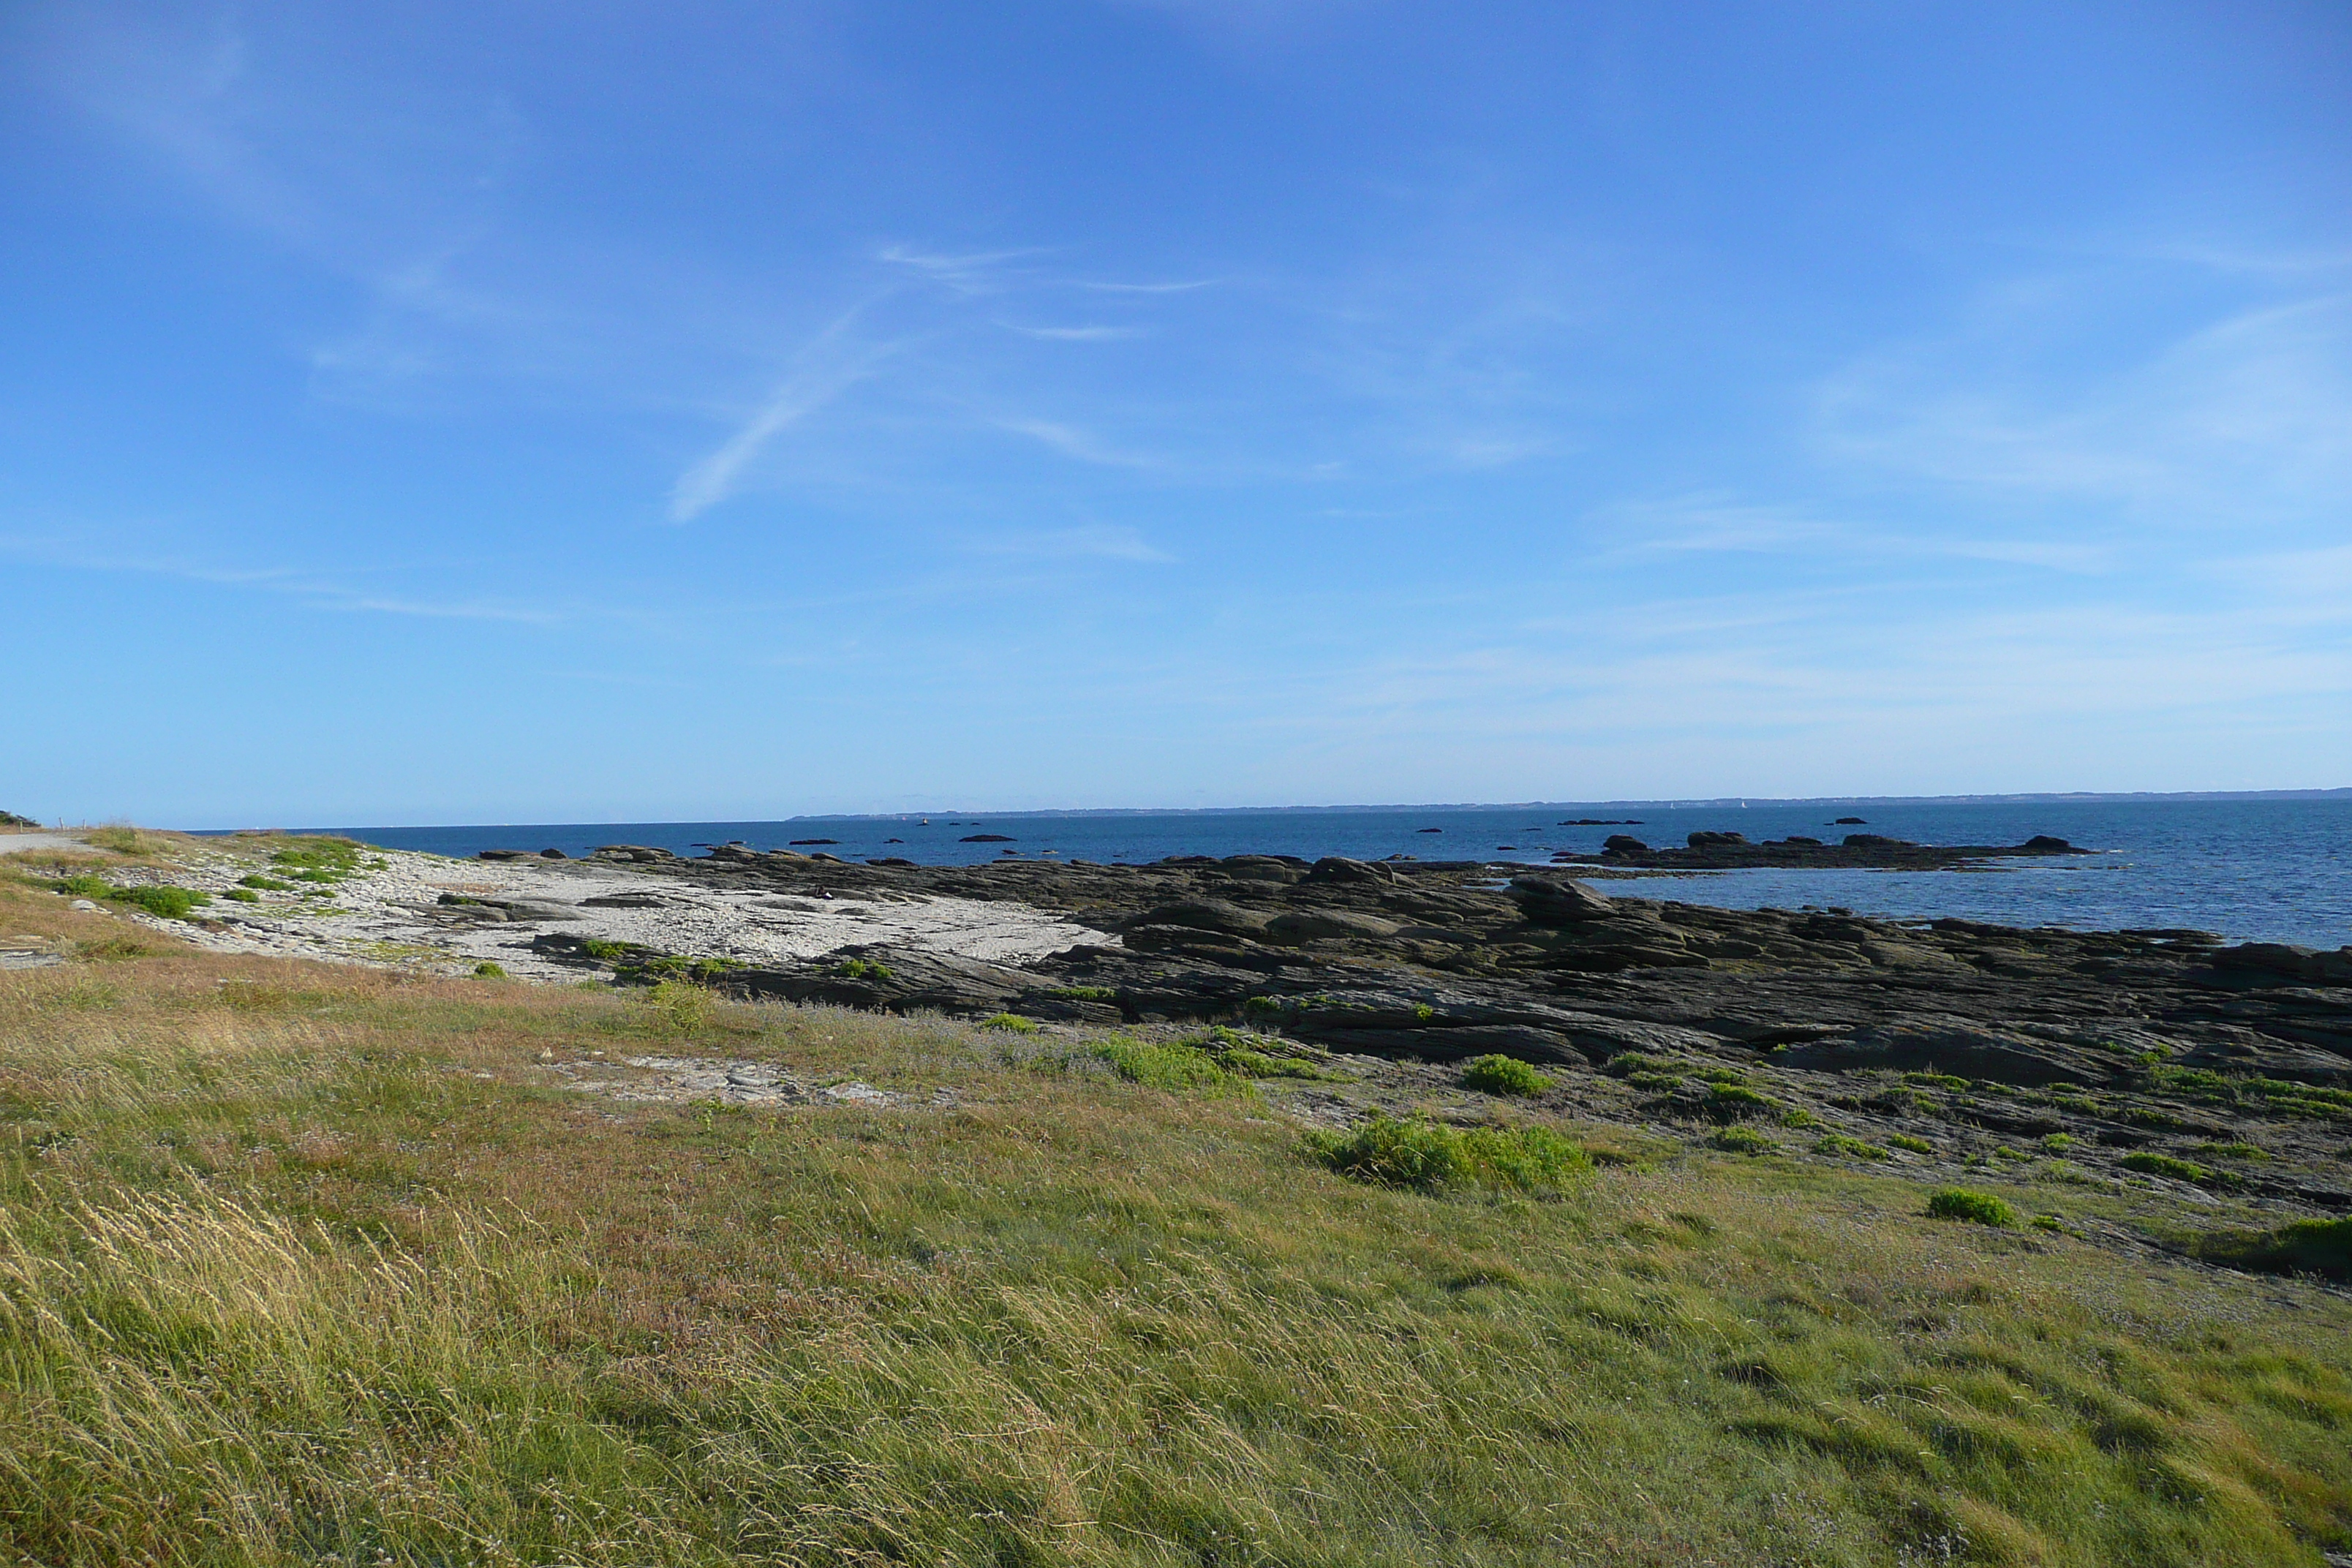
2253,871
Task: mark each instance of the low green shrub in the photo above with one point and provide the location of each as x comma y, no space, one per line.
2149,1163
1173,1067
1732,1102
1504,1075
1655,1081
1967,1204
1841,1146
2048,1222
1011,1022
1719,1075
489,970
2306,1247
2059,1143
1916,1145
1743,1141
679,1005
267,884
606,951
84,885
2232,1152
169,902
872,969
1083,993
1935,1079
242,896
1430,1156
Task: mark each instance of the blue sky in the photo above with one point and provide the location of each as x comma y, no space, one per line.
519,412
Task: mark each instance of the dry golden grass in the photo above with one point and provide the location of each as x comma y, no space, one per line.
307,1264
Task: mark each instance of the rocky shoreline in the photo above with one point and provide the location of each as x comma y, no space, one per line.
2163,1058
2219,1074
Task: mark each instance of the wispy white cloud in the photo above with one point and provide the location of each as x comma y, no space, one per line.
1185,286
1073,442
2245,420
978,273
1716,524
1074,334
317,591
1102,542
831,364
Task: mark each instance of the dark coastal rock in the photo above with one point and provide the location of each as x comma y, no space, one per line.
1208,914
2311,965
487,906
1545,901
502,855
1955,1049
1850,821
552,854
798,842
987,838
1340,869
1315,925
1709,852
637,853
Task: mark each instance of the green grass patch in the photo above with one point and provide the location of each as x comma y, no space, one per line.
2238,1150
266,884
869,969
1504,1075
1839,1145
1176,1067
242,896
1083,993
168,903
489,970
1969,1204
1011,1022
315,1267
1743,1141
1431,1156
2148,1162
1904,1141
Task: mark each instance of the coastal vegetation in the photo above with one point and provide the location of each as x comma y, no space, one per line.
1504,1075
303,1263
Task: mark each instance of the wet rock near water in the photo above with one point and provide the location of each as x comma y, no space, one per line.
1730,851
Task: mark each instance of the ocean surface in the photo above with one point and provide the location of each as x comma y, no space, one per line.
2266,870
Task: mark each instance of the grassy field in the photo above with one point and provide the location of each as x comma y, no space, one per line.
314,1265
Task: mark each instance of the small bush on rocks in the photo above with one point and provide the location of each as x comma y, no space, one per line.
1838,1144
2148,1162
1730,1102
1916,1145
489,970
1011,1023
1504,1075
1743,1141
1975,1207
170,903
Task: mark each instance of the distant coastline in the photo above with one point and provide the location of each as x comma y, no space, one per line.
1685,803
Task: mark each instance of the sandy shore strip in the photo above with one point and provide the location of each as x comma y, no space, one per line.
390,914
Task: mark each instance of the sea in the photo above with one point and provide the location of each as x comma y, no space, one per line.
2250,871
